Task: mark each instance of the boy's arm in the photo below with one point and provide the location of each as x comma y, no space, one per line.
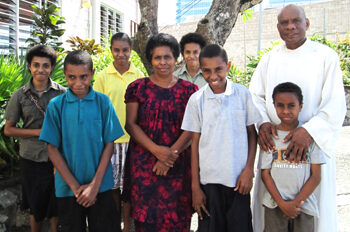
311,184
11,130
198,197
162,153
90,191
182,142
62,168
291,209
245,180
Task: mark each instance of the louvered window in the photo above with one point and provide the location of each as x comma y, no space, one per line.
110,21
16,23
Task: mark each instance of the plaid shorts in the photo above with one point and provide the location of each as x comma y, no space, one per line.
118,163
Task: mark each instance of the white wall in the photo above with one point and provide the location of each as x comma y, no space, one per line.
77,23
85,22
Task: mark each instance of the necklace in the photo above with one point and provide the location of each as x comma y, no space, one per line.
40,91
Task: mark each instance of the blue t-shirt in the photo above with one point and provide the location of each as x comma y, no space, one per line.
80,128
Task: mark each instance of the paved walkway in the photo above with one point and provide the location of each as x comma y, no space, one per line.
342,152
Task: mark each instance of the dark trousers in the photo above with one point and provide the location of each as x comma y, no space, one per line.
102,216
229,210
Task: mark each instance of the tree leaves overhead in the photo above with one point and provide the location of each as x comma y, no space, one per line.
46,30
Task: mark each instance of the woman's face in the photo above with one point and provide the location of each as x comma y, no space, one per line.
121,52
40,68
163,61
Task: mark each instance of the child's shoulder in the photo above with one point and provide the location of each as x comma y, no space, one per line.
58,99
101,97
238,87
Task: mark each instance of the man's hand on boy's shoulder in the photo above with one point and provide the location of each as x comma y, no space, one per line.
87,196
300,140
264,140
199,201
245,181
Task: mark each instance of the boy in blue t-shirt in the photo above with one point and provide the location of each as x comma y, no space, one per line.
290,202
80,127
221,116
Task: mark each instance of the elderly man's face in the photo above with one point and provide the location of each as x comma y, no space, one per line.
292,26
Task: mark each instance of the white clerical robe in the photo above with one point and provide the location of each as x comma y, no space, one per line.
315,69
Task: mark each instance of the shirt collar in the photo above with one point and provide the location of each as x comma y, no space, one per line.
301,48
228,91
183,70
51,85
111,69
72,98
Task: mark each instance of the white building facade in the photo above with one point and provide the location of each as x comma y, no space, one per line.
88,19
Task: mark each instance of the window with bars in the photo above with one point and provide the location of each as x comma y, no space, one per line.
16,23
111,21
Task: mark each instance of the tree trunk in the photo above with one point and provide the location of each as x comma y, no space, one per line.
148,27
217,25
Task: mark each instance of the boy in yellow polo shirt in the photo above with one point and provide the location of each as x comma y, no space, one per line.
113,82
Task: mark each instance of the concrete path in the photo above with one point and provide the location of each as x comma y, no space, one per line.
342,152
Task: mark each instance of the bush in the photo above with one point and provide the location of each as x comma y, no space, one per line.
243,77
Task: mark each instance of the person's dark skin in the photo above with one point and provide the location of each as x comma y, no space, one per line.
292,26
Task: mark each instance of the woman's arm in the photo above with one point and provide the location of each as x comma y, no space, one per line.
183,142
162,153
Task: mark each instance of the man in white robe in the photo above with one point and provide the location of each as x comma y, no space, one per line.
315,69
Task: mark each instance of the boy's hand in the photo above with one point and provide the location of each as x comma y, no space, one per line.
291,209
166,155
264,140
300,140
245,181
87,196
160,168
198,202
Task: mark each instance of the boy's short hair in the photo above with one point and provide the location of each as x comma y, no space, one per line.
78,57
192,38
42,51
121,36
162,39
213,50
288,87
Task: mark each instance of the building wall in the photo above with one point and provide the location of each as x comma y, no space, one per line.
244,37
85,22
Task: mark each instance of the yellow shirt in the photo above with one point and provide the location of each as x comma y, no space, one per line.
110,82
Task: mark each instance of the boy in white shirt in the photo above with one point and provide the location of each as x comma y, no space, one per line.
221,116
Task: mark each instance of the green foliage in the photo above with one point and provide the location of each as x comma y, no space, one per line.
46,26
77,43
11,79
136,60
104,58
243,77
246,15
